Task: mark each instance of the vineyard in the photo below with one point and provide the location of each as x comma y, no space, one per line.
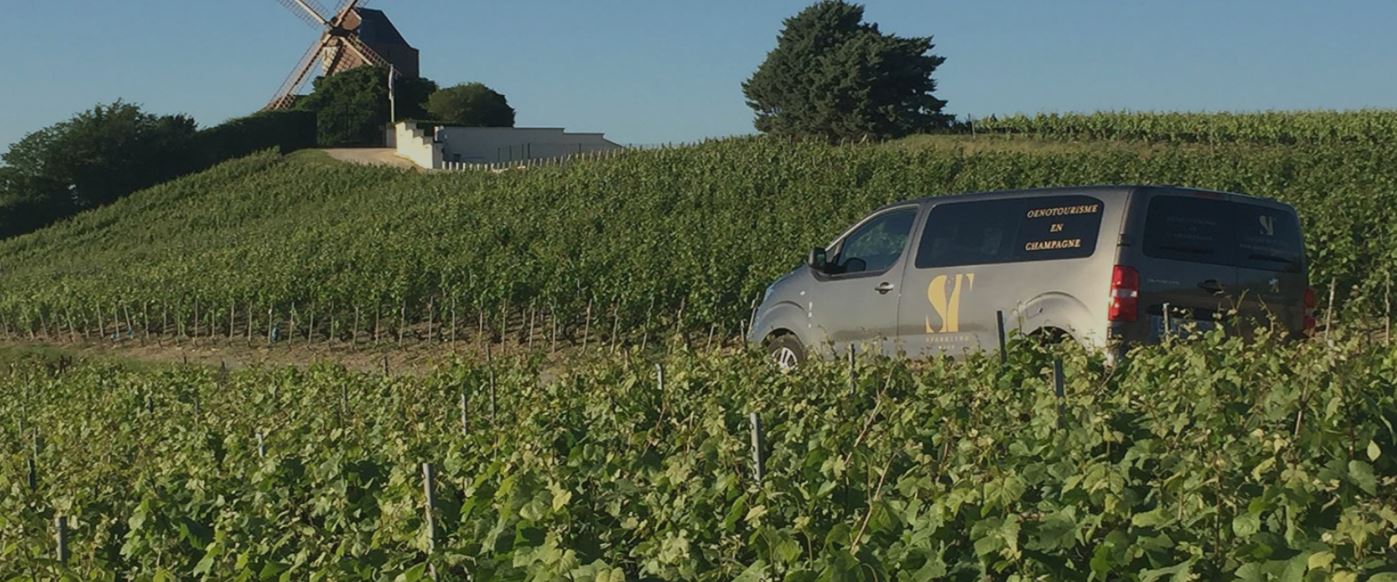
683,239
599,419
1201,459
1377,126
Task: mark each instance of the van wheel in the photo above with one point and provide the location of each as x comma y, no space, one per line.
1048,337
786,352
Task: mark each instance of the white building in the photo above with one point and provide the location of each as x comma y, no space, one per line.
437,146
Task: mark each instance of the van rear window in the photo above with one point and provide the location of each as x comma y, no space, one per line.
1012,230
1222,232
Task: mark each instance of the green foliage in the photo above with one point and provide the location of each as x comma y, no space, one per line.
352,107
472,105
285,131
111,151
834,77
1375,126
698,231
1208,459
92,159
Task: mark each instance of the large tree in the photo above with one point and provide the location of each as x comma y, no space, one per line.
835,77
471,104
351,108
94,158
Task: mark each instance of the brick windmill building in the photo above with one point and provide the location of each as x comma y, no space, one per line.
352,37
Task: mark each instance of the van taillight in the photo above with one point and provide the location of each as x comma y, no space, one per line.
1311,301
1125,294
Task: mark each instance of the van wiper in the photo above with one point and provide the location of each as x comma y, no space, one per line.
1189,250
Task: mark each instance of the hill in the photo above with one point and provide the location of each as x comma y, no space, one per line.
683,237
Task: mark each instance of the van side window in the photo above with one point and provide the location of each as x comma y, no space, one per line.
876,245
1012,230
1184,228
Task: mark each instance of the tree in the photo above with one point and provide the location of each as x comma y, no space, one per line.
471,104
92,159
351,108
835,77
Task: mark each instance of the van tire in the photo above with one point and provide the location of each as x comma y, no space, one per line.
1050,336
785,351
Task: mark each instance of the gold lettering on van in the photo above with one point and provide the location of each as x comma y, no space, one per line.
1053,245
944,295
1064,211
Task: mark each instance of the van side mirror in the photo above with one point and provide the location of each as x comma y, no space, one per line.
817,259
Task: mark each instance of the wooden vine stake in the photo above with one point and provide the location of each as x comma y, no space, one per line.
649,312
1059,388
489,364
354,337
465,416
1329,312
430,502
533,315
853,371
1003,353
1167,324
344,402
60,525
758,461
587,326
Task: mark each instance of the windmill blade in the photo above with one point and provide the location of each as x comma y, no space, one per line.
299,74
347,5
308,10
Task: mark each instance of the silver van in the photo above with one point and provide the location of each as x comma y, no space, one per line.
1106,266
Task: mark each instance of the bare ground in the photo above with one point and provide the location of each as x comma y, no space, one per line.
369,157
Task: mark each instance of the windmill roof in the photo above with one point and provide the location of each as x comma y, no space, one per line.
375,28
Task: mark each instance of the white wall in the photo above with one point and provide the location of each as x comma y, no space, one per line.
503,144
413,144
488,145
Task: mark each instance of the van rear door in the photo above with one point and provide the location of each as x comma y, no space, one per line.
1185,264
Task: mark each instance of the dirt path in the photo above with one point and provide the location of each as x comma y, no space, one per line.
412,359
369,157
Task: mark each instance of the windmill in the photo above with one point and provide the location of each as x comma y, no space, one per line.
352,36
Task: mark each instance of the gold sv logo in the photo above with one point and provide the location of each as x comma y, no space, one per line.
944,294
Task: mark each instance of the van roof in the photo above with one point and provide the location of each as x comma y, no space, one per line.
1099,191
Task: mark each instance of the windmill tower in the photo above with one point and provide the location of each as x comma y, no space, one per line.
351,37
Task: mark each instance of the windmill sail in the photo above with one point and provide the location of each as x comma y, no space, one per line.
353,37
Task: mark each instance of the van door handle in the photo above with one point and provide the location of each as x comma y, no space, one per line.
1212,286
884,287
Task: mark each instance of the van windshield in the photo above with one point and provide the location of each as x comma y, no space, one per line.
1222,232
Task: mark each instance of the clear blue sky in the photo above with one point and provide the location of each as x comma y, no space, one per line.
647,71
